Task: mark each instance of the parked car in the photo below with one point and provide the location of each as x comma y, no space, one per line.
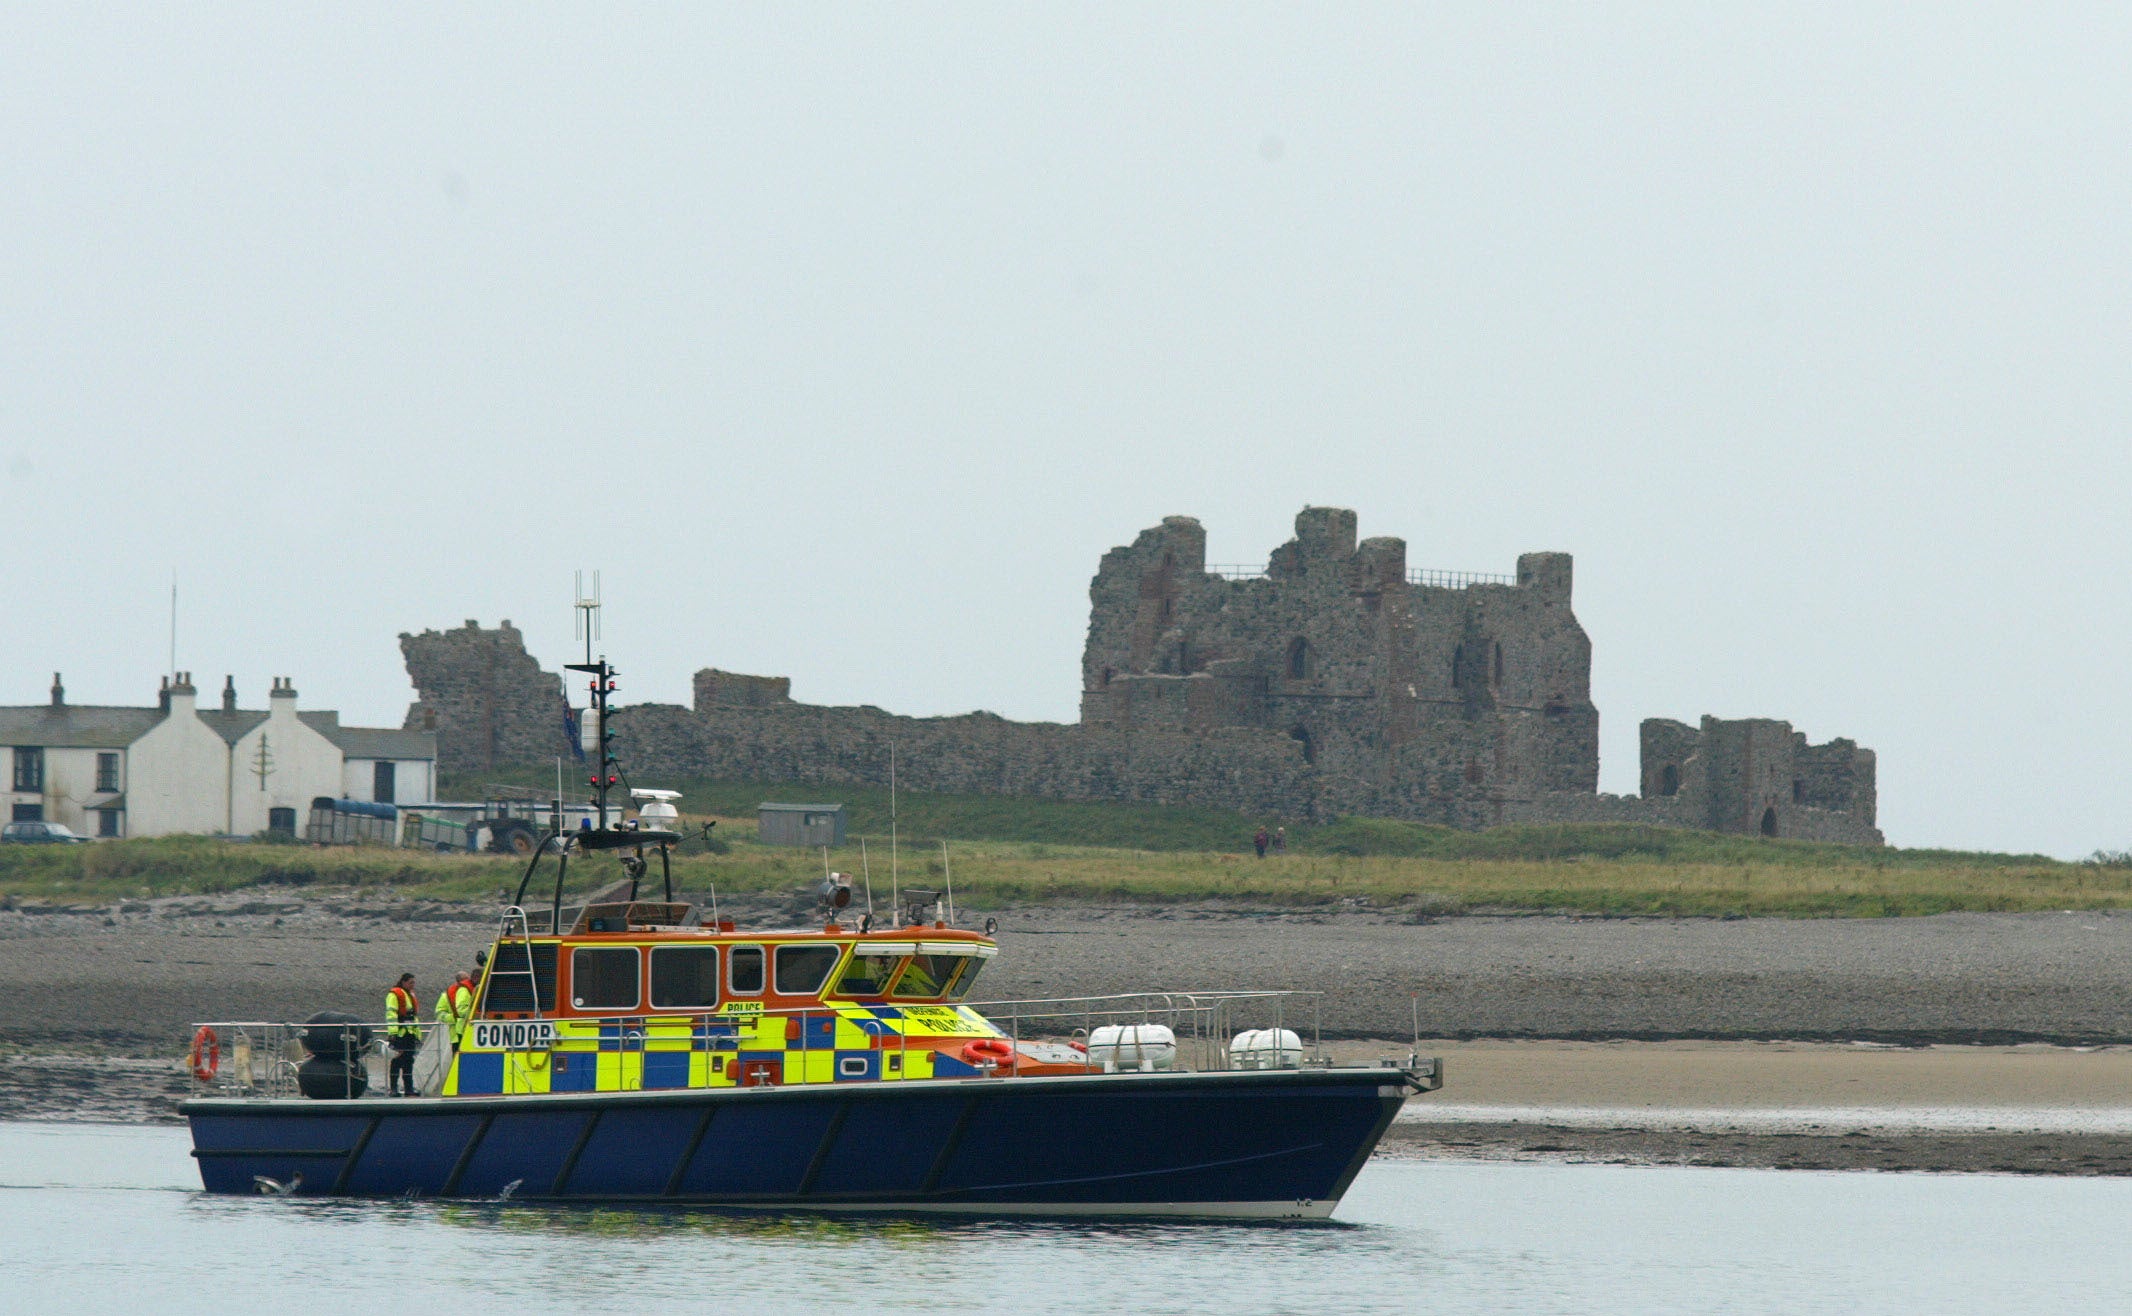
46,833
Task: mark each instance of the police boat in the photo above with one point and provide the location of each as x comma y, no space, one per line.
630,1049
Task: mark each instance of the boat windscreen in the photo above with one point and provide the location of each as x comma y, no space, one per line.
961,986
929,977
867,975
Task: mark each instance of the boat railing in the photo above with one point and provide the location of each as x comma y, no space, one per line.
1204,1023
255,1058
259,1058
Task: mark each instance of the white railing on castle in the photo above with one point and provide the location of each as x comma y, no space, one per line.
1415,575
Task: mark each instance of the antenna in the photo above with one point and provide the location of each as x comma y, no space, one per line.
173,623
587,623
866,872
947,871
895,892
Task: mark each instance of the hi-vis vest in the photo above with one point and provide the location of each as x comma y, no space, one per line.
402,1012
453,1006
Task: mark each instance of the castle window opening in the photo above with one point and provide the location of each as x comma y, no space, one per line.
1458,668
1498,664
1669,780
1299,659
1769,821
1310,747
1108,673
1798,790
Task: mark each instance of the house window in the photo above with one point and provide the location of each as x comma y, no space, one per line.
29,768
28,813
107,775
381,783
107,822
281,822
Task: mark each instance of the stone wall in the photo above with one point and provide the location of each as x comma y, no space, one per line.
977,753
486,698
1335,681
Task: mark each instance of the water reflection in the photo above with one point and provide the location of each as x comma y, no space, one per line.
1451,1236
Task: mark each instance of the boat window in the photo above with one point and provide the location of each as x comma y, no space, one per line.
744,970
867,975
507,989
801,970
684,977
961,985
604,978
930,975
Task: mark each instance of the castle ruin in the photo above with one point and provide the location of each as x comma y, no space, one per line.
1335,680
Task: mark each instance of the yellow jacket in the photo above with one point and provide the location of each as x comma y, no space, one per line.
454,1006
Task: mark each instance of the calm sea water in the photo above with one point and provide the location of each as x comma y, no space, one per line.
100,1218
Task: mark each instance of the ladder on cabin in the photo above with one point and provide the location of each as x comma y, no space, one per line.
514,935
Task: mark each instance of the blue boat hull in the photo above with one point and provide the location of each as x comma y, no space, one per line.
1279,1144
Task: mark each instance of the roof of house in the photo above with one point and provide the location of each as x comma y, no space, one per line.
93,726
231,724
383,742
75,726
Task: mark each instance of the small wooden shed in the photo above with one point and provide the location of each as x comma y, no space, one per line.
800,824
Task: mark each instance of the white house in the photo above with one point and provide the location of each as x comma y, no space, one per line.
175,768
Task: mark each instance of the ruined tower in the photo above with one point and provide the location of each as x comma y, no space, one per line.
1436,695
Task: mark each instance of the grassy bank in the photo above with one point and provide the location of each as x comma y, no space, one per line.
1420,870
926,817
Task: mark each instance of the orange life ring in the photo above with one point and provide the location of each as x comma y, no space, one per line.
206,1054
994,1051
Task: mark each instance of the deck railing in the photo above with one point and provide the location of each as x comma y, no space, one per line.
259,1058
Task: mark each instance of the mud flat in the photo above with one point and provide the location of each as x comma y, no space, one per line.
1664,1040
2030,1109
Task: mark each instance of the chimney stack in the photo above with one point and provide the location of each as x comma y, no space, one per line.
59,692
162,696
284,688
229,693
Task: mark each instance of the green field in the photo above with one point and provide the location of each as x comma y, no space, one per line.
1009,851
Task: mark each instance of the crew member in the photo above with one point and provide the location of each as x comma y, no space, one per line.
403,1033
456,1005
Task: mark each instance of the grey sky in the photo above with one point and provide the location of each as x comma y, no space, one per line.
845,340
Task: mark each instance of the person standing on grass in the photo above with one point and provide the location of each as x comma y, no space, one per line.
1280,840
1260,841
403,1033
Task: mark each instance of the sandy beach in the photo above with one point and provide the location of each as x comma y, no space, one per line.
1967,1042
